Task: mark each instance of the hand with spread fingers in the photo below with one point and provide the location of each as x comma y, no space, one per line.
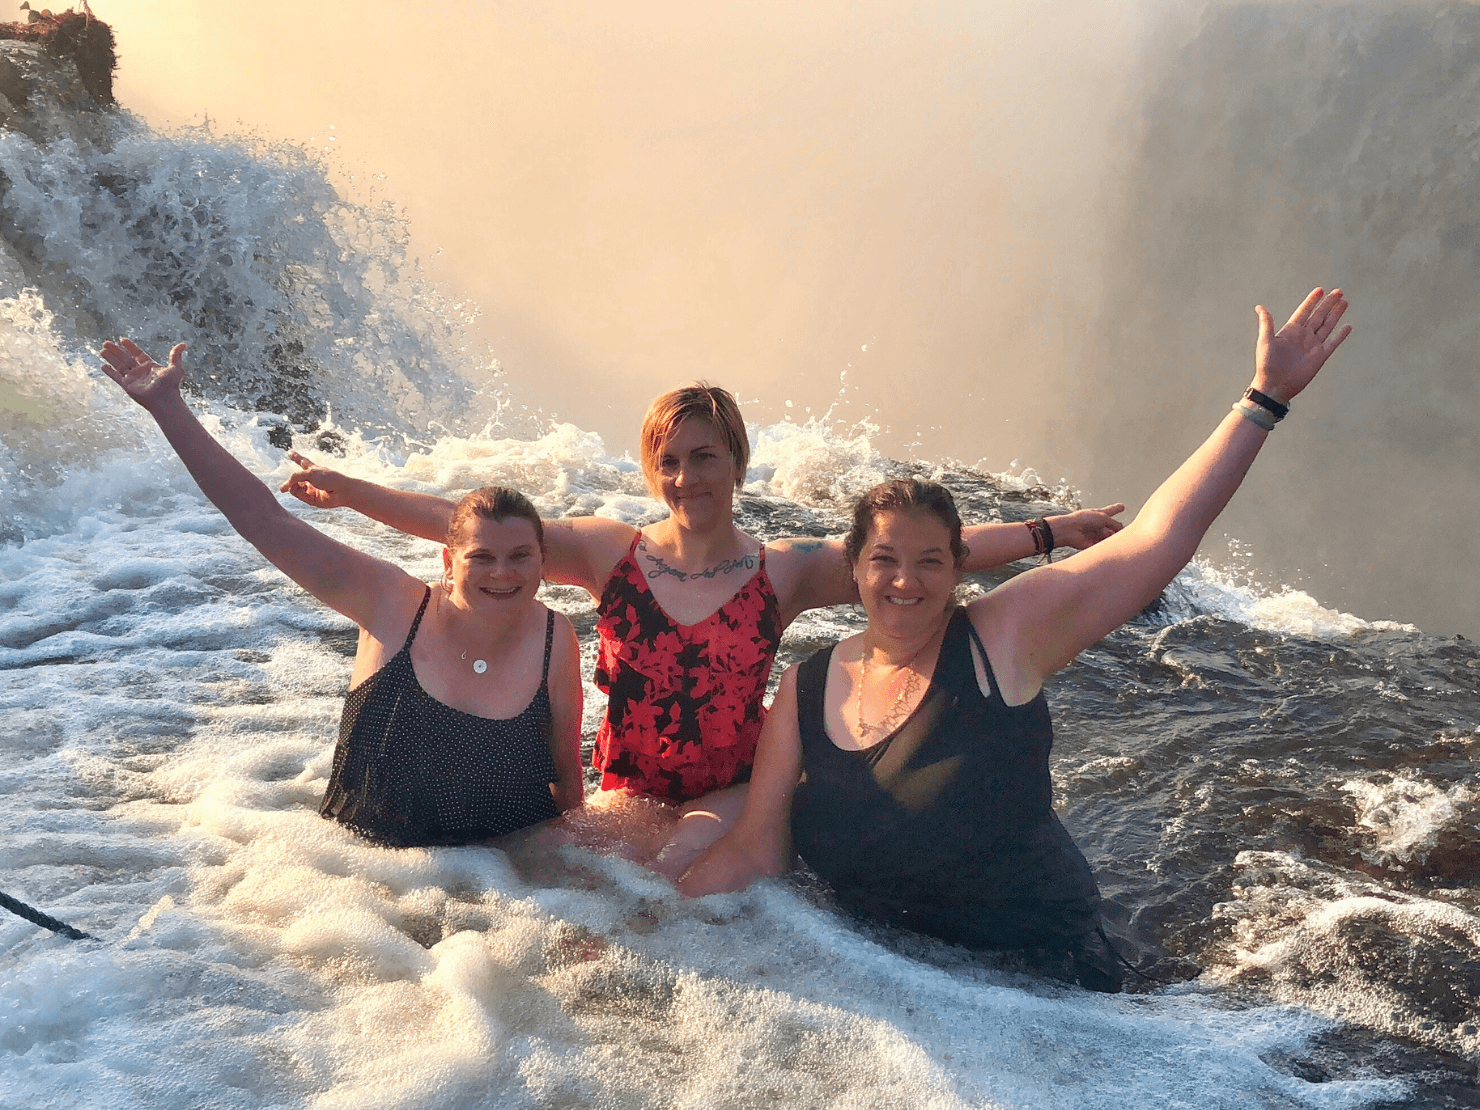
143,379
1286,361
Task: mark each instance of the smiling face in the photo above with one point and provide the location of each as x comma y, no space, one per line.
905,572
496,563
696,475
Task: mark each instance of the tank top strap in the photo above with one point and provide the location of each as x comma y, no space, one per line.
976,639
415,624
549,639
812,692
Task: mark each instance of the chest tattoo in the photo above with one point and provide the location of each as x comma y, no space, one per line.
658,567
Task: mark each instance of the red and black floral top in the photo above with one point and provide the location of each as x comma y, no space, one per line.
684,700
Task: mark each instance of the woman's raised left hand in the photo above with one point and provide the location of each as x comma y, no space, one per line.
1285,361
143,379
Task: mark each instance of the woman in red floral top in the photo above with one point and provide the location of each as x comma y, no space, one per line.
691,608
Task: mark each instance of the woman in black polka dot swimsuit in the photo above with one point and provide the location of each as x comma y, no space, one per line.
463,718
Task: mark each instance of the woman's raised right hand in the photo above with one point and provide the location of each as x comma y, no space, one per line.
316,485
143,379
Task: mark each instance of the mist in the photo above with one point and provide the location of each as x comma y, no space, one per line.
1006,234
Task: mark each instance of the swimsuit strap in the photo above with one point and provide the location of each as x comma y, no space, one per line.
986,663
426,597
549,639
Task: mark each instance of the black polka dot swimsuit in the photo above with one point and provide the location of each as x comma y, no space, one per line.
409,770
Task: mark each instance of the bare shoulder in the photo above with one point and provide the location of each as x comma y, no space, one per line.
401,596
583,550
565,638
788,684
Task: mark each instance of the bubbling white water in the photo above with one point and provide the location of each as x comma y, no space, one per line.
1354,950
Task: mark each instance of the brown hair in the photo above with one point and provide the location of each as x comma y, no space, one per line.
709,403
496,503
904,495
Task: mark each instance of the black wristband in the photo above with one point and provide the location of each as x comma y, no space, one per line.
1047,538
1267,403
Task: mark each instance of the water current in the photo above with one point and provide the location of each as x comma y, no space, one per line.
1279,799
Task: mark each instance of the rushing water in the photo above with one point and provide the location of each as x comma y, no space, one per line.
1279,799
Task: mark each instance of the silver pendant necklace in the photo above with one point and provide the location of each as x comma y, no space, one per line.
479,665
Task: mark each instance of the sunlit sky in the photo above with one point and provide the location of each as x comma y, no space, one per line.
636,195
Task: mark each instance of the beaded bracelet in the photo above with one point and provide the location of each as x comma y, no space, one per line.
1254,415
1032,526
1042,538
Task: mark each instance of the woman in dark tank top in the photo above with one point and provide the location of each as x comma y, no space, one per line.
945,825
924,740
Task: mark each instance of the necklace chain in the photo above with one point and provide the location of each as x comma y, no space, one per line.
890,719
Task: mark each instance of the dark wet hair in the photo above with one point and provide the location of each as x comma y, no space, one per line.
496,503
904,495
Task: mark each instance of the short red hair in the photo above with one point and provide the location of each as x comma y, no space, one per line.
710,403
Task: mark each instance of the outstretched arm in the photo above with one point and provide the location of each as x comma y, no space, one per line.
418,514
810,574
993,545
1038,622
346,580
579,552
759,843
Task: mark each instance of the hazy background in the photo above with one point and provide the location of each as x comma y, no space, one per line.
1024,231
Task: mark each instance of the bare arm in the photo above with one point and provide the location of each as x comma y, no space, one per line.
810,574
363,588
417,514
759,843
565,712
994,545
1039,621
579,552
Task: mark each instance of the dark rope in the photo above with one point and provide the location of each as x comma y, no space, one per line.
36,917
1132,968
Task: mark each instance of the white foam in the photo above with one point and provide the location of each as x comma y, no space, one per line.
1352,949
1406,816
817,463
1202,588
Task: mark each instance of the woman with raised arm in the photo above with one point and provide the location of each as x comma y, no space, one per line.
463,721
924,740
691,609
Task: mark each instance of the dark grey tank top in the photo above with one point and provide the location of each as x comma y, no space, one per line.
410,770
947,825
